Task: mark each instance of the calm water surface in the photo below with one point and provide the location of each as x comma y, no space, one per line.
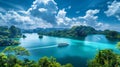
77,53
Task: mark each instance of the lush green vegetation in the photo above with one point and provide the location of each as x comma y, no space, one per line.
7,35
10,58
106,58
79,32
112,35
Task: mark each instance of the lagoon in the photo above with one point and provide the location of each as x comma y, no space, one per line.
77,53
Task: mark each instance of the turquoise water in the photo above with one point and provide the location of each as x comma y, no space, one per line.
77,53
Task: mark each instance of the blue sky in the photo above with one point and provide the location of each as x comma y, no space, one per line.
30,14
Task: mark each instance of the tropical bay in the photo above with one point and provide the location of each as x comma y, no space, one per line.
59,33
82,50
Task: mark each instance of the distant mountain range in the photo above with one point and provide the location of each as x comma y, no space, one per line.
37,30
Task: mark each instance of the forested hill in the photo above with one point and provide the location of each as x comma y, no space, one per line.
7,35
75,32
112,35
80,32
45,30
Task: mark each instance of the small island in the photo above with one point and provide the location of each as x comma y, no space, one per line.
112,35
40,36
23,36
63,44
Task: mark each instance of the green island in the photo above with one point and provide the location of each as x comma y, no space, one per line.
9,35
112,35
80,32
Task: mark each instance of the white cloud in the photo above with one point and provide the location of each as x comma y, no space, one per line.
42,10
62,20
60,16
114,9
102,26
62,13
41,14
90,15
88,20
23,21
44,1
40,3
45,14
77,23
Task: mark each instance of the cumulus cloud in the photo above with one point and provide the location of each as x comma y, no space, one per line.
89,19
45,14
90,15
22,21
62,19
114,9
49,7
42,10
40,14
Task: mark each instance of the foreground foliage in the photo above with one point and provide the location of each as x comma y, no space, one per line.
10,57
106,58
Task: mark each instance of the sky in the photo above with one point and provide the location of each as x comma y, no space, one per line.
31,14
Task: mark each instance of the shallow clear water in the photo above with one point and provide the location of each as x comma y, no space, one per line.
78,52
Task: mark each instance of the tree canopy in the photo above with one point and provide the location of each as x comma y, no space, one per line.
106,58
7,35
8,58
79,32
